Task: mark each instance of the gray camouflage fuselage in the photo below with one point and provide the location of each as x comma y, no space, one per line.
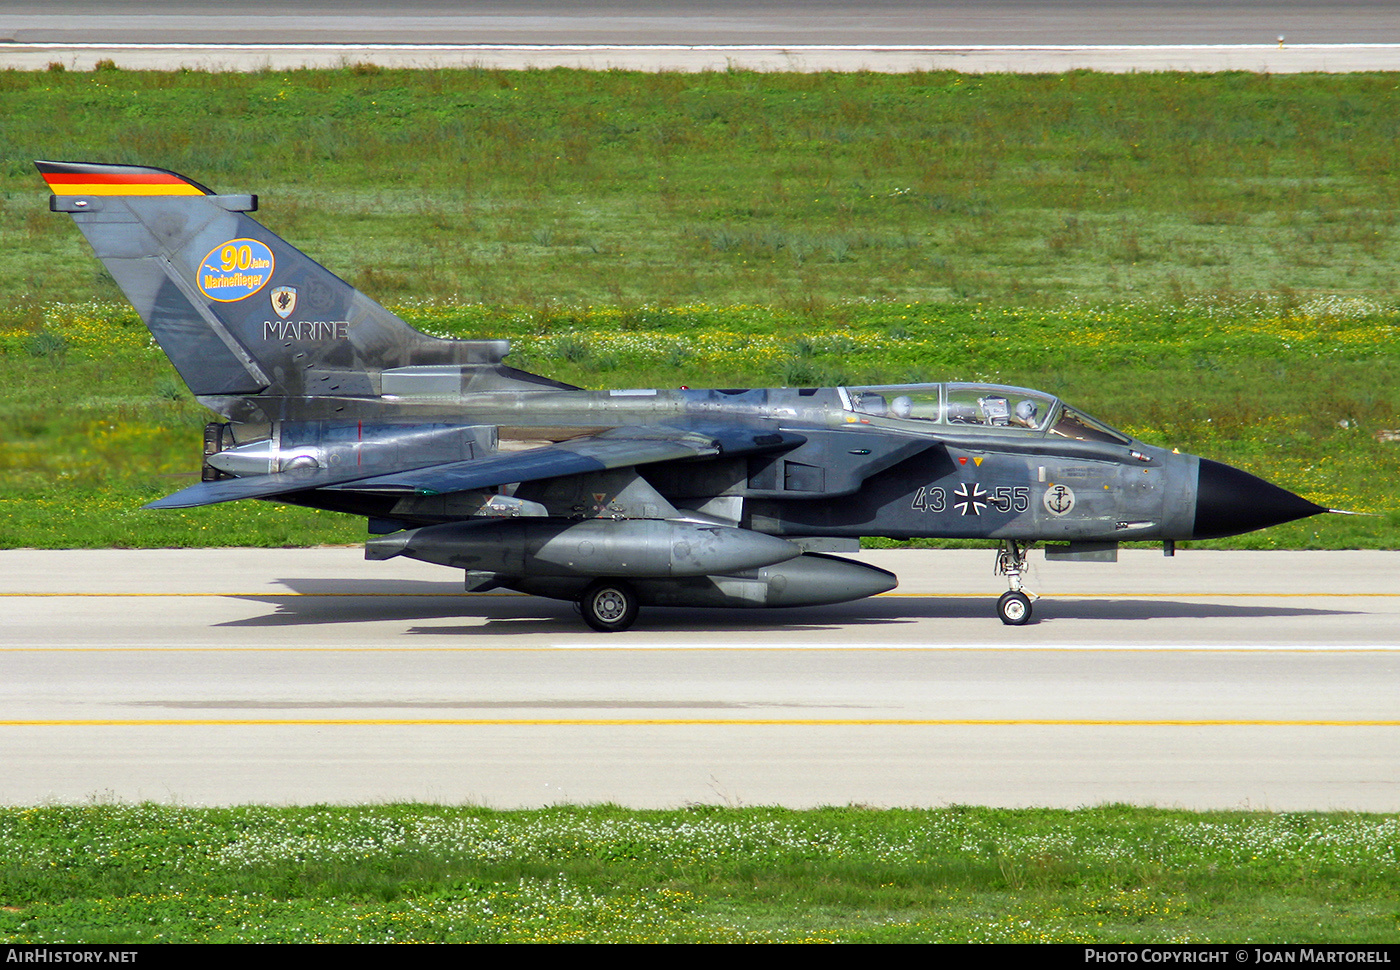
684,497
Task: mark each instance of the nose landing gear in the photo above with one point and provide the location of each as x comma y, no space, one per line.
1014,607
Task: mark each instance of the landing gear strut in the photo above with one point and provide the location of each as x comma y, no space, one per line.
1014,607
609,606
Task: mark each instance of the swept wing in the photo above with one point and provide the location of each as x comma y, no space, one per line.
615,448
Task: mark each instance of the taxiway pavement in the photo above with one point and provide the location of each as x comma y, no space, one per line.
1275,36
1212,679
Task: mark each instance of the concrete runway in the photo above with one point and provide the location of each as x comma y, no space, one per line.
1267,680
692,35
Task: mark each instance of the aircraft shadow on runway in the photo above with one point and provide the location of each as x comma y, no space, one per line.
855,615
319,602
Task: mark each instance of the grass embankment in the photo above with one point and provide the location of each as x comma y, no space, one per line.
426,873
1205,260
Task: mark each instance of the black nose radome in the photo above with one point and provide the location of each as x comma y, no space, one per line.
1230,502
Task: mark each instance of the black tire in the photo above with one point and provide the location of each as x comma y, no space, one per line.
1014,608
609,606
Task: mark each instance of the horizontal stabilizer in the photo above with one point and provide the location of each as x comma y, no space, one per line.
256,486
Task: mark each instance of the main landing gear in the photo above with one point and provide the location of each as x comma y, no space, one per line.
609,605
1014,607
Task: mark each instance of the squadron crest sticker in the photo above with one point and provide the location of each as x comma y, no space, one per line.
284,300
1059,500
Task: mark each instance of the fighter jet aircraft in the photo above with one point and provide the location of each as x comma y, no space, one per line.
614,499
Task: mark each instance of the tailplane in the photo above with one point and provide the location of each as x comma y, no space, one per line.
241,312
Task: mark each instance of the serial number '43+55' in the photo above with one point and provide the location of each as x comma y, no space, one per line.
971,499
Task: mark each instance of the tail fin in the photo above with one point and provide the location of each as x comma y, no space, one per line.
237,309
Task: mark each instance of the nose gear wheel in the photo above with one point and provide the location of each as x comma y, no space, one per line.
1014,607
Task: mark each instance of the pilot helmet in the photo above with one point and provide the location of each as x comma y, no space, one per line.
1026,411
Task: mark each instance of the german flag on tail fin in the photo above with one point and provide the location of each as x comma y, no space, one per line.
95,178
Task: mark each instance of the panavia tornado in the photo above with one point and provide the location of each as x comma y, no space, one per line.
614,499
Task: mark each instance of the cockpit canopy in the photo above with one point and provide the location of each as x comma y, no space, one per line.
982,406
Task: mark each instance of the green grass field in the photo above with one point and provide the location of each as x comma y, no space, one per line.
1203,260
405,873
548,188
